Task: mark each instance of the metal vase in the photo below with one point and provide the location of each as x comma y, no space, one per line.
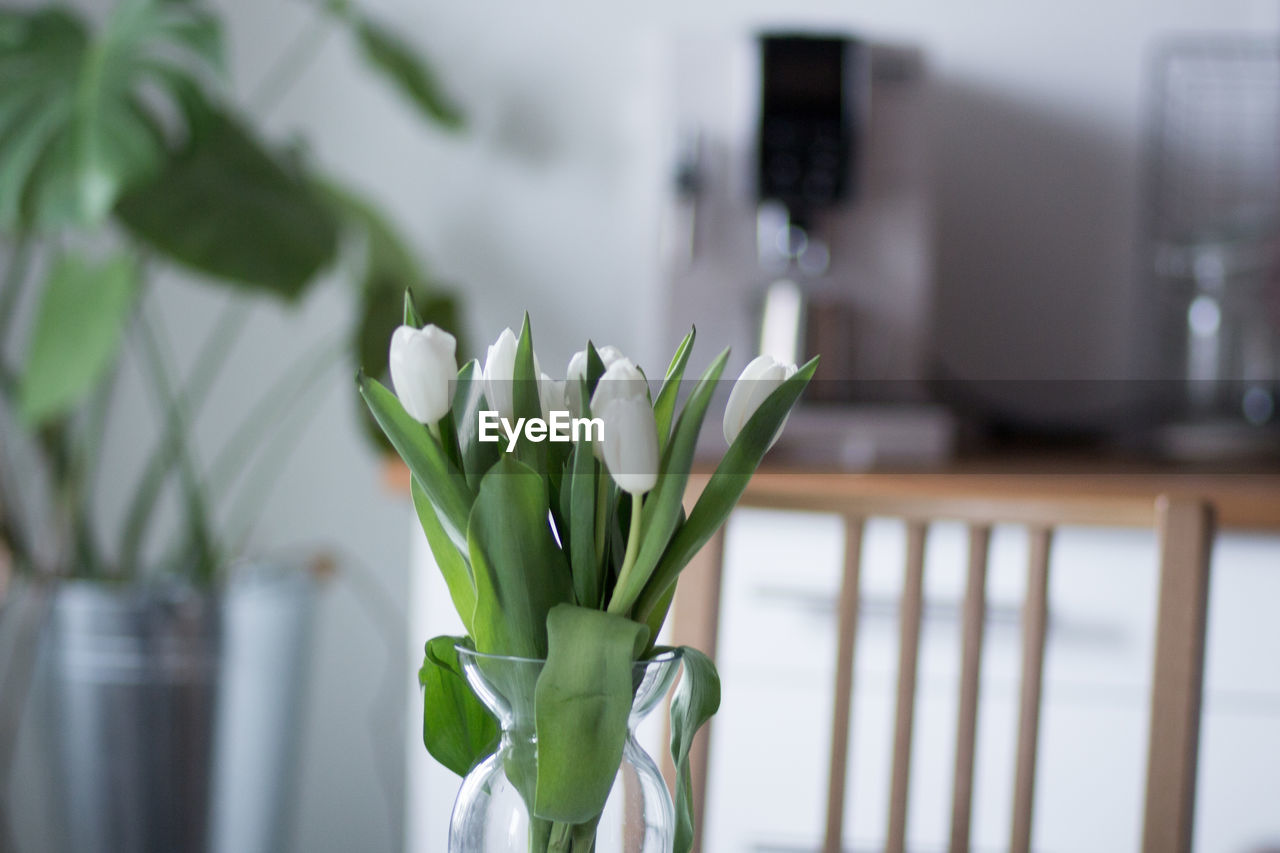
173,712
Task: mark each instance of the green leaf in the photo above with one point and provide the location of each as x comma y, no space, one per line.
663,505
658,615
582,703
452,562
78,327
696,700
411,317
595,369
520,573
582,526
468,399
725,486
81,114
440,480
665,406
457,729
528,403
401,64
225,207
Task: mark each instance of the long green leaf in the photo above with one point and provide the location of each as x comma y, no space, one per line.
78,328
582,526
468,399
457,729
665,406
658,614
442,482
582,703
520,573
524,394
696,701
452,562
664,504
725,486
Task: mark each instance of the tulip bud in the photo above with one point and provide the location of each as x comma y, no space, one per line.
577,371
622,379
630,442
759,379
551,393
424,369
499,374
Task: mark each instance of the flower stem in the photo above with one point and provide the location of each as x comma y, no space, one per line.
618,604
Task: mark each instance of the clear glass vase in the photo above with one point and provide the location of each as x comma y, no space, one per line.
491,814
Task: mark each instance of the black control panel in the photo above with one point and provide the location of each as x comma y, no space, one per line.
807,120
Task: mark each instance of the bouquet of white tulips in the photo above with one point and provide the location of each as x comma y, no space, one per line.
555,512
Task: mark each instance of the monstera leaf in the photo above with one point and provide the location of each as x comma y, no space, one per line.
82,113
228,207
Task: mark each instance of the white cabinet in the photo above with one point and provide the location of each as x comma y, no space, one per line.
776,653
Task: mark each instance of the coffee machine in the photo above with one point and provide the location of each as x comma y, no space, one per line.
800,224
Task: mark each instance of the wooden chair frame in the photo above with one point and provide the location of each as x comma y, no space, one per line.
1185,529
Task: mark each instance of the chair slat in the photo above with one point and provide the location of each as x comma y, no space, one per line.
846,635
1185,530
908,654
1035,622
975,611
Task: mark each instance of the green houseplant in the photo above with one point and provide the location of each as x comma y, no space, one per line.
561,553
123,156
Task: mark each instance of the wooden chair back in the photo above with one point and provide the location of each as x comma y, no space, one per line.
1184,532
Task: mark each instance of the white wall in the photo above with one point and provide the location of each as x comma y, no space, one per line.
548,202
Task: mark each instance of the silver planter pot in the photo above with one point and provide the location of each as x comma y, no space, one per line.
173,714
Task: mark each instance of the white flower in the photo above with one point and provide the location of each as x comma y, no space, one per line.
757,382
424,369
499,374
577,371
551,394
630,442
630,446
622,379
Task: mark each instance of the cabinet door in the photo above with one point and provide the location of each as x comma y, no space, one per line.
776,654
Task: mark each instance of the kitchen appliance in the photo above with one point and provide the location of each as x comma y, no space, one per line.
800,224
1214,243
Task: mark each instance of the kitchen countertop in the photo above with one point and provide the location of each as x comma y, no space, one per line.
1246,495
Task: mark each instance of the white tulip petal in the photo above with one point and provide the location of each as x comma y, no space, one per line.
577,371
551,394
630,447
760,378
424,370
499,371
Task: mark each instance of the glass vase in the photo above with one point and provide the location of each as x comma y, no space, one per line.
492,814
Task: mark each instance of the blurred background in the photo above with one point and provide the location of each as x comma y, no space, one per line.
1049,224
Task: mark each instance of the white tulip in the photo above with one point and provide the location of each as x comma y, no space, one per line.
577,371
424,370
757,382
630,442
621,380
551,393
499,374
